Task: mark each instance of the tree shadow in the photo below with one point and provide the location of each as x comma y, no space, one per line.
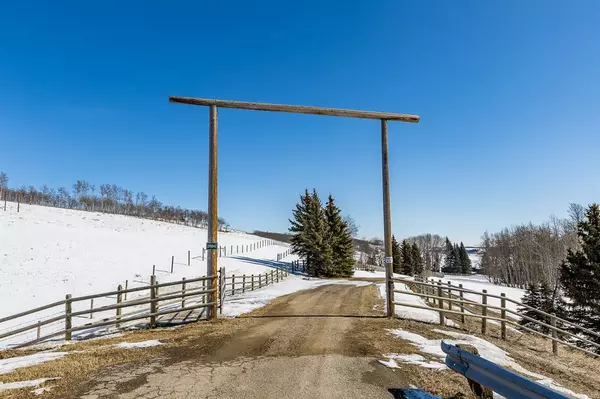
271,263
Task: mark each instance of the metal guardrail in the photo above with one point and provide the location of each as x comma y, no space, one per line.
498,379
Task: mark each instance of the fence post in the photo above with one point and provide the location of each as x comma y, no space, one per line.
277,275
440,303
231,253
152,301
233,284
153,270
243,283
119,298
554,335
259,281
462,305
126,287
172,262
271,276
204,289
91,307
67,317
237,249
18,206
183,293
449,295
189,258
222,288
503,316
39,330
484,312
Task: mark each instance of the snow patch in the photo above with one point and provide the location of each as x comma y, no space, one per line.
13,363
142,344
5,386
414,359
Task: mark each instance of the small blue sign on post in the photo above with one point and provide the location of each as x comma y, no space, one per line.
212,246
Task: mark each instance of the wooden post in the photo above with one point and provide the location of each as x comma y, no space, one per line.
503,316
119,299
440,303
233,284
237,249
243,283
271,276
231,253
277,275
554,335
484,312
152,301
204,289
449,295
126,287
39,330
387,219
18,206
183,293
91,307
189,258
172,262
259,281
252,284
462,305
153,270
68,317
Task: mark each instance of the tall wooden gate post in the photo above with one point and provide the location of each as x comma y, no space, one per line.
387,220
211,264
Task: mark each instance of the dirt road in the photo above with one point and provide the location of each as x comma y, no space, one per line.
312,344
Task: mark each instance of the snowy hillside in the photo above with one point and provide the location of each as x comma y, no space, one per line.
46,253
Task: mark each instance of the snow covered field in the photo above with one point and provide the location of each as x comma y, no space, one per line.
479,283
46,253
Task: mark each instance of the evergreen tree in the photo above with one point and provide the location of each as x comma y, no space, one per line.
318,238
396,256
531,298
416,259
464,260
451,259
299,227
340,240
406,257
580,275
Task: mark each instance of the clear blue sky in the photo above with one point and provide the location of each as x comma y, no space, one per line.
508,93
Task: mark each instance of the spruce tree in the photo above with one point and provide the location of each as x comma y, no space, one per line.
580,275
450,260
406,256
299,227
417,260
465,261
340,240
396,256
318,238
531,298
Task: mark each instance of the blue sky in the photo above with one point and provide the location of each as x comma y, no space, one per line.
508,93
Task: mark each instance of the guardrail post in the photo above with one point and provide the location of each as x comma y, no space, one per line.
183,293
252,278
152,301
189,258
232,284
440,303
462,305
118,315
172,262
449,295
554,335
91,307
484,312
68,317
503,316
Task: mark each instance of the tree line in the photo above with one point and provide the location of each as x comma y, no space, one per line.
456,259
106,198
322,237
406,258
575,295
528,253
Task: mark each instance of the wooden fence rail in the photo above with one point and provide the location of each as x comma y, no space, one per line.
158,302
442,303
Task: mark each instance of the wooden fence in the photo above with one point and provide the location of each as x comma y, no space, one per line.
159,299
448,299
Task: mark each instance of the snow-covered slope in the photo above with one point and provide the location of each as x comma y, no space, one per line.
46,253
